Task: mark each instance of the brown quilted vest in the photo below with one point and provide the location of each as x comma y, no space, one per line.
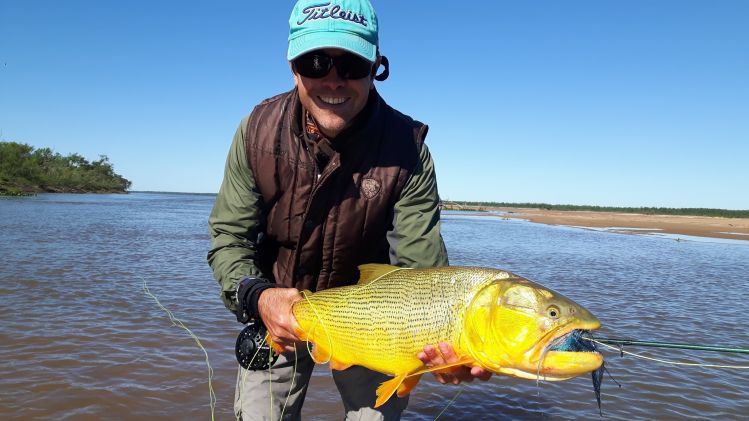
317,227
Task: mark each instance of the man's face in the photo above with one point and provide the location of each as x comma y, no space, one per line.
334,102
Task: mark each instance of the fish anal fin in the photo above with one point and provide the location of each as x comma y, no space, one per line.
301,334
337,365
373,271
320,355
388,388
408,385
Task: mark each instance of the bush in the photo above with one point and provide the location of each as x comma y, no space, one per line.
24,169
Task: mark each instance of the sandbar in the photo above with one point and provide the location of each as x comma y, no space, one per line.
699,226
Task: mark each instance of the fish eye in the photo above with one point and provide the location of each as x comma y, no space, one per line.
553,312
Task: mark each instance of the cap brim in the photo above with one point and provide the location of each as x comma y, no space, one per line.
324,39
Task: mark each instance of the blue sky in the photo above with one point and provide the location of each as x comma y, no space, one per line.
602,102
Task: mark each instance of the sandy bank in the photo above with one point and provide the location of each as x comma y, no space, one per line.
701,226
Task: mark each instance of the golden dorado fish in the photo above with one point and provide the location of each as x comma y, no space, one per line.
492,318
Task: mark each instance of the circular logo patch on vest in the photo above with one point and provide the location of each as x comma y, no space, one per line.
370,187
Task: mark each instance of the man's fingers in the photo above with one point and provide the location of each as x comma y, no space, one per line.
290,348
442,354
448,354
480,373
275,308
433,356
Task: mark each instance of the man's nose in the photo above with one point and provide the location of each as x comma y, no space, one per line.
333,79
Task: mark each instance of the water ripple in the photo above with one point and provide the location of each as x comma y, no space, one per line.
80,340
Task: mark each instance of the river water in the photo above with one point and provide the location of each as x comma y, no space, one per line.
80,339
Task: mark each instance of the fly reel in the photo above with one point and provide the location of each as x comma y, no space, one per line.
253,352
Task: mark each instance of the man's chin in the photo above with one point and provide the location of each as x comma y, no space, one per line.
331,126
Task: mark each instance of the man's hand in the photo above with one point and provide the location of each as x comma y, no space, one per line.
444,354
274,306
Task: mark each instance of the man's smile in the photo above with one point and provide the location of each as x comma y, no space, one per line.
332,100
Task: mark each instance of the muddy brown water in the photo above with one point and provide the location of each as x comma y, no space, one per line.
79,338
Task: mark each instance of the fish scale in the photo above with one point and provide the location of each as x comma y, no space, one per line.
399,312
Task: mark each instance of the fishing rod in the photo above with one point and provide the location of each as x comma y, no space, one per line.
622,342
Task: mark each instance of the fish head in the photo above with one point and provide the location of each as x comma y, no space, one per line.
519,328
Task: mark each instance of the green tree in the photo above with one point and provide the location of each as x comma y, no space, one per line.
24,169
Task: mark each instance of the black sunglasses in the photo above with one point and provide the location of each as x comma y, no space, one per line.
316,65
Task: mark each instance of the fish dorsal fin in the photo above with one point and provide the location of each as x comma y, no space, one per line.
373,271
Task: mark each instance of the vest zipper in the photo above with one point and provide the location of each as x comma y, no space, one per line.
318,179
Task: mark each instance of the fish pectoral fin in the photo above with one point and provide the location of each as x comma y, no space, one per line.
373,271
408,385
388,388
445,367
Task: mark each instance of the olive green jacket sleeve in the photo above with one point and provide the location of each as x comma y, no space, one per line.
235,222
415,240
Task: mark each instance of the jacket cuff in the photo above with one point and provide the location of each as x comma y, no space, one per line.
248,295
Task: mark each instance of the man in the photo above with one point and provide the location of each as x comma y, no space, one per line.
318,181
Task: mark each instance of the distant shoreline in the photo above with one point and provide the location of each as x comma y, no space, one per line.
626,222
633,223
34,190
644,210
26,171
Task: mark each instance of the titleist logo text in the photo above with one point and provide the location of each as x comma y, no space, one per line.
324,11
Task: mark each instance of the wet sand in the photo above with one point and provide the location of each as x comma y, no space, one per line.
700,226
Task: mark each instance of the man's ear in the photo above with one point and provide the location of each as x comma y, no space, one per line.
375,66
385,73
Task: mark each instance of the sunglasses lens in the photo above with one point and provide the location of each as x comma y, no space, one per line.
313,65
348,66
351,66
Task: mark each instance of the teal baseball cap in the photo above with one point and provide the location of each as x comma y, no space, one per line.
347,24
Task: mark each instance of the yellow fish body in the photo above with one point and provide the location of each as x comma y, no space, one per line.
492,318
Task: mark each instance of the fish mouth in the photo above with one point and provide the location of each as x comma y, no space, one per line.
568,355
576,340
